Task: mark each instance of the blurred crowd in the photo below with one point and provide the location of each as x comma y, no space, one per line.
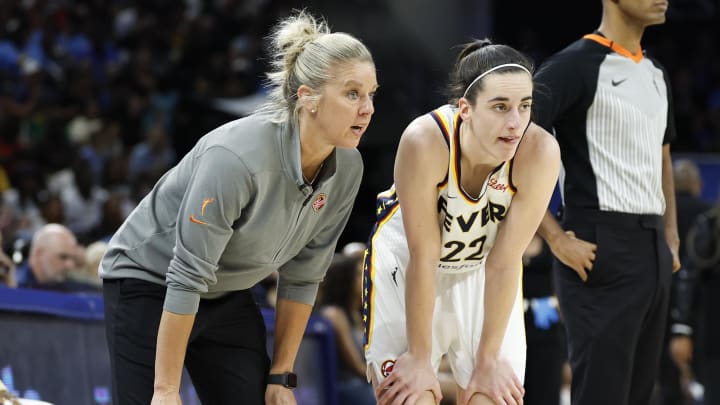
99,98
695,82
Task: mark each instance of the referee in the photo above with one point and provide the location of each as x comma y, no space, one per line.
610,108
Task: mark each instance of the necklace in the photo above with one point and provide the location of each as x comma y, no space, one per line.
317,172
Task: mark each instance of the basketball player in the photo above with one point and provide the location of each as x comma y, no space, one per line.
472,181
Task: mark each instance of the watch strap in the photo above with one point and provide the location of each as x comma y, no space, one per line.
287,380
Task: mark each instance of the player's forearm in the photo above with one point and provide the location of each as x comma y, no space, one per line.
173,335
291,318
419,305
501,287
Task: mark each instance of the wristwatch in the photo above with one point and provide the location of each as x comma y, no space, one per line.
287,380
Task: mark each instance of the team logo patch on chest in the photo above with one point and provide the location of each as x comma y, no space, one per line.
319,202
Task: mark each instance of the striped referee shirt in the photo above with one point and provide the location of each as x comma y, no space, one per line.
611,112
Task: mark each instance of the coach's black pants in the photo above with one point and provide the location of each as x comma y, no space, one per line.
226,355
615,321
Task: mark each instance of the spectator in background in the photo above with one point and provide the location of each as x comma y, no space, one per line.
53,255
112,216
83,200
697,298
672,377
51,207
115,181
23,200
7,269
87,272
543,330
340,302
688,189
153,156
265,292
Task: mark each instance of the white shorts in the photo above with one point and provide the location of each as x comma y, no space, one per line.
457,318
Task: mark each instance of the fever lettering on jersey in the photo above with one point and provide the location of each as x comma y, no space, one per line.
491,212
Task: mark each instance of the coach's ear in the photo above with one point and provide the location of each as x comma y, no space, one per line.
304,95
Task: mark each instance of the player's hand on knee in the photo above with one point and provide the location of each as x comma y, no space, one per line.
495,379
409,380
575,253
481,399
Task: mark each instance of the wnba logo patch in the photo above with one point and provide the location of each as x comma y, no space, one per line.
387,367
319,202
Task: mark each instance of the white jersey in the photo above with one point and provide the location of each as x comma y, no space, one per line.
468,225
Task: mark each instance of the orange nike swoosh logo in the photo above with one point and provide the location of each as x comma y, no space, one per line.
197,221
205,204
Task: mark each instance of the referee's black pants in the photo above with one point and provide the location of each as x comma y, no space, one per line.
615,321
226,355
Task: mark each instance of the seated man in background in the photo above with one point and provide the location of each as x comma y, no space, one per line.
54,253
87,270
340,302
7,269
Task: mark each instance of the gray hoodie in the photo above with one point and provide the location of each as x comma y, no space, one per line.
235,209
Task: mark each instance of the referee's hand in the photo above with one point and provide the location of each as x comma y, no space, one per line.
575,253
674,244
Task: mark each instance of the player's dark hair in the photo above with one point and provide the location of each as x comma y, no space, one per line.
474,59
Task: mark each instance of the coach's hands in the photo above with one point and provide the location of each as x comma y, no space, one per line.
494,380
575,253
410,379
278,395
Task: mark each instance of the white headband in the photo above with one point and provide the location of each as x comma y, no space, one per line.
487,72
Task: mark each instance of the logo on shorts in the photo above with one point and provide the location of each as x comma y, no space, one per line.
387,367
319,202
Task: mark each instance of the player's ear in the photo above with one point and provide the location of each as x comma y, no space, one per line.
464,108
